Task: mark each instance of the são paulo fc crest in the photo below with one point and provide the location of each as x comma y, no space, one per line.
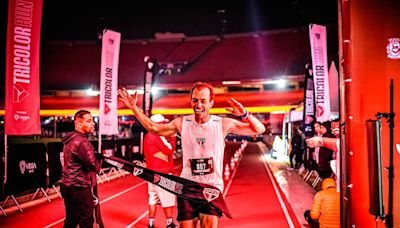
308,119
157,178
210,194
393,48
137,171
201,141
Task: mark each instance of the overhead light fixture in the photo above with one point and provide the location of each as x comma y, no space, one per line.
154,90
231,83
138,91
280,83
92,93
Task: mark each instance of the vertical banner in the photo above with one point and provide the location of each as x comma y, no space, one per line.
320,72
150,73
108,117
309,105
333,76
22,102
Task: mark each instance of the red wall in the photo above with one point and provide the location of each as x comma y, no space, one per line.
369,26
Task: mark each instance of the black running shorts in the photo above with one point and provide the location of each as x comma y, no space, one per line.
188,210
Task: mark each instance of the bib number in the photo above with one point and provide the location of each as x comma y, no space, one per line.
202,166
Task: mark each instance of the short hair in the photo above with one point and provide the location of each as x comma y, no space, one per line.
336,120
79,114
202,85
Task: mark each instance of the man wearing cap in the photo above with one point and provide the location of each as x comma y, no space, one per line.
158,155
203,145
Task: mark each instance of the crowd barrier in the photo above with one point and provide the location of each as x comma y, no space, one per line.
38,166
54,153
26,168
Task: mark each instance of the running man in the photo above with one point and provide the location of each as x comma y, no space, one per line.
203,145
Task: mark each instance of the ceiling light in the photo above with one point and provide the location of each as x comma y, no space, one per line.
92,93
231,83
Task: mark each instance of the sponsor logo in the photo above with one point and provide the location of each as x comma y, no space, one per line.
393,48
108,85
137,171
30,167
19,93
108,152
106,109
114,163
110,41
319,110
210,194
318,36
21,115
308,119
170,185
157,178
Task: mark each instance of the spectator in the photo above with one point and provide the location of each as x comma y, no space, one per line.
325,210
297,151
314,151
78,182
325,154
332,144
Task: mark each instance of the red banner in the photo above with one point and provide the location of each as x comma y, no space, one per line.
22,102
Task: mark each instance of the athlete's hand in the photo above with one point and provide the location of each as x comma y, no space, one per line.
236,108
129,100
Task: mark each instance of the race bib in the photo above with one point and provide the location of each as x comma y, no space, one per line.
202,166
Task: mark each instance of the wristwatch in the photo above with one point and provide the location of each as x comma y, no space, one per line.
246,115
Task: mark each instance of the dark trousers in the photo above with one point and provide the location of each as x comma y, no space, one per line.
310,163
313,223
299,158
79,206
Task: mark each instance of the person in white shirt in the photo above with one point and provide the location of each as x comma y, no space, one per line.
203,145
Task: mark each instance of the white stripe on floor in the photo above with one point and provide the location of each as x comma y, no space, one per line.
277,192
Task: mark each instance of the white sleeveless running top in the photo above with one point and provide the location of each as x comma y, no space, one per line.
203,141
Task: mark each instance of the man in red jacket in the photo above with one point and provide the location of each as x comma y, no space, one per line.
158,155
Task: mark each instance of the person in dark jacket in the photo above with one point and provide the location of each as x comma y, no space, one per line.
78,182
325,154
297,149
